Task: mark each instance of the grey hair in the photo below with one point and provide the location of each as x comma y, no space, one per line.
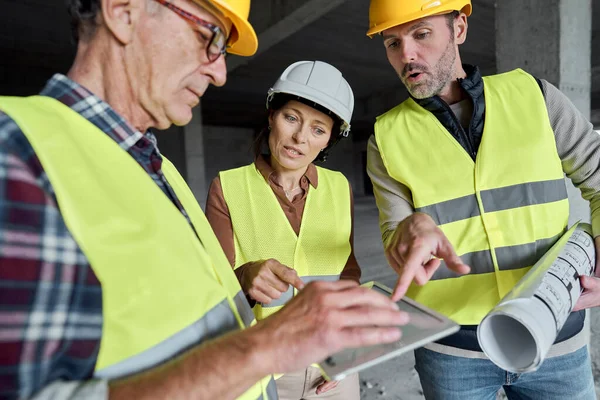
84,15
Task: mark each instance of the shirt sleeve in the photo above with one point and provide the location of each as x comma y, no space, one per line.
394,200
578,147
351,269
217,213
50,299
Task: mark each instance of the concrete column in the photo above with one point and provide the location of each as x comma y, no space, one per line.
551,39
341,158
171,144
194,156
226,147
359,158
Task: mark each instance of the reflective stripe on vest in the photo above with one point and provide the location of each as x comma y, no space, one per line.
271,391
262,230
505,198
502,212
509,257
214,323
163,290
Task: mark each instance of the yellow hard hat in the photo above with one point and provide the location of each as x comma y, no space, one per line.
242,40
384,14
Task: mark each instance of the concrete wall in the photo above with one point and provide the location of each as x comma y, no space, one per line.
361,184
171,144
194,155
557,47
225,148
342,158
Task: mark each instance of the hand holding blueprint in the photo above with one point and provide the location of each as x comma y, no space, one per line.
517,334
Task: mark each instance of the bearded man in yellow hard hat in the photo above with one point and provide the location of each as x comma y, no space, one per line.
112,283
468,178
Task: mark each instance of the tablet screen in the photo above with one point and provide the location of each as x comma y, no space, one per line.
423,327
418,317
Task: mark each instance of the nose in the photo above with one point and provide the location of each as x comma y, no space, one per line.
217,71
408,51
300,134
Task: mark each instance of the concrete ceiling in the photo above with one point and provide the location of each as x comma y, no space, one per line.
337,37
35,42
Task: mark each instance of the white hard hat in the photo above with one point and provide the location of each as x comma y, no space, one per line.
320,83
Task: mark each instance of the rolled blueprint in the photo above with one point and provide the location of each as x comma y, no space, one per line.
517,334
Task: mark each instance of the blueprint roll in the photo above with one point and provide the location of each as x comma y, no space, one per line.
518,333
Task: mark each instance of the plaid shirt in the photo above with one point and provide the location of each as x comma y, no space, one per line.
50,298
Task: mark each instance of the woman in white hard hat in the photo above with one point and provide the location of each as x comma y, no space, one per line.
282,221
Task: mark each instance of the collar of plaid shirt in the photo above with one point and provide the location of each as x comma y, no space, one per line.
95,110
141,146
51,311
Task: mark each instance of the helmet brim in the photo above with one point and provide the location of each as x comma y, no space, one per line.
335,111
467,9
242,40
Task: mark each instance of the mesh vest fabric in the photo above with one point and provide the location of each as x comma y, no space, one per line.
262,231
501,212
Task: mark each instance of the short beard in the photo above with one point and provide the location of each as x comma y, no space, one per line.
440,76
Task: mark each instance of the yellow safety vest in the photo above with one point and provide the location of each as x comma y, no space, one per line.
502,212
261,229
163,290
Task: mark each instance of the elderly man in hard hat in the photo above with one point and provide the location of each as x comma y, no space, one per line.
468,178
112,283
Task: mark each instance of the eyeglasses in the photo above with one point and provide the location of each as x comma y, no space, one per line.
217,42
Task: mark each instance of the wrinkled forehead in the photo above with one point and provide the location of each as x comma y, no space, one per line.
411,26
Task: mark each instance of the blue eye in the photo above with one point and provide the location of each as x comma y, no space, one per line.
291,118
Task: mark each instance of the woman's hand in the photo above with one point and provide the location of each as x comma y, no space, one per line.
265,280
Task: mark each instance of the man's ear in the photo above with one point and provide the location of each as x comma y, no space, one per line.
121,17
460,28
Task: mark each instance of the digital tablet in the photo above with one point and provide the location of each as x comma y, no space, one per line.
425,326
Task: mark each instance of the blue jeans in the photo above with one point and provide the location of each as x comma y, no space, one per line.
446,377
